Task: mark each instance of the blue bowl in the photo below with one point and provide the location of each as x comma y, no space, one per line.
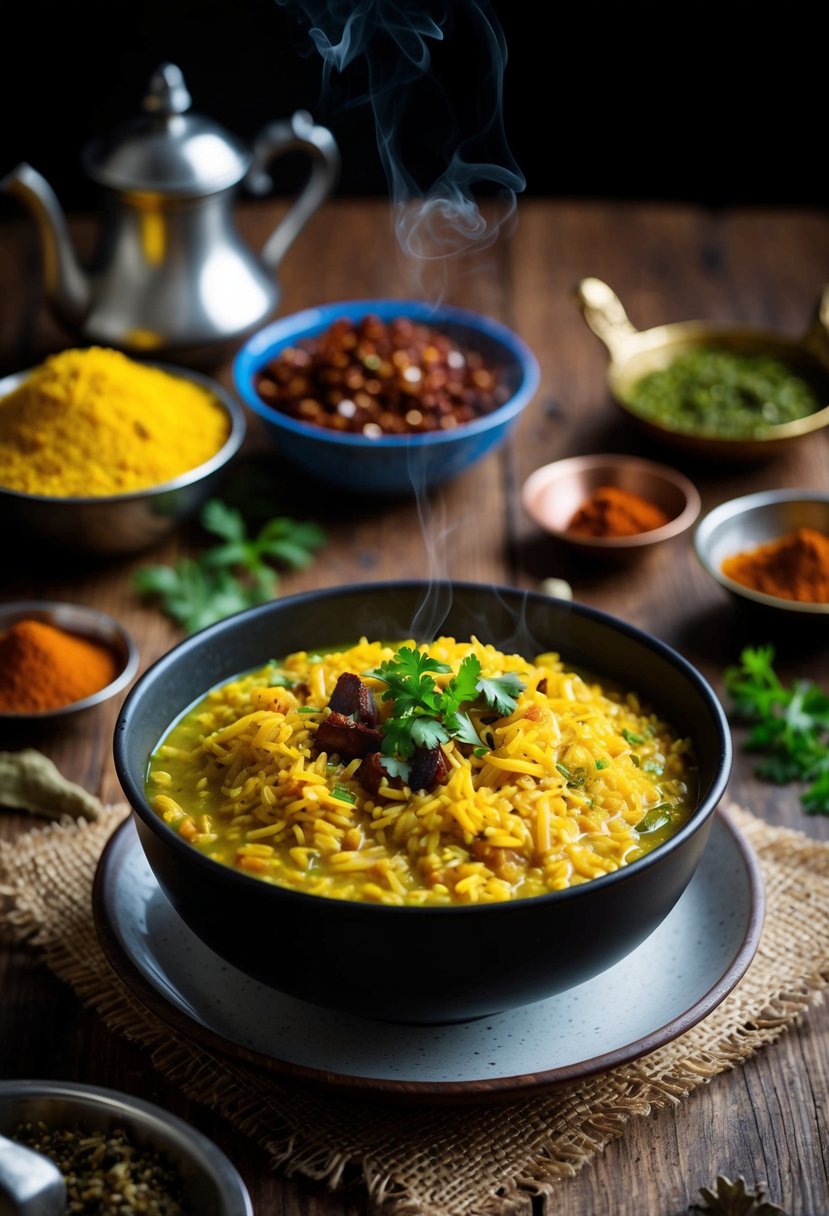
390,464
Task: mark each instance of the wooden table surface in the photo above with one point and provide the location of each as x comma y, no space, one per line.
765,1120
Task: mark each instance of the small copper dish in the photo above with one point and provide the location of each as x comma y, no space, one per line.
635,353
553,493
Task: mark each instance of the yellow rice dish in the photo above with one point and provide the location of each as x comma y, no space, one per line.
548,781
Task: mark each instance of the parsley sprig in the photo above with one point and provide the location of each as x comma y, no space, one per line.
234,574
789,725
425,715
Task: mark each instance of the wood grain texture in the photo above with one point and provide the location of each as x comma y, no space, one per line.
765,1120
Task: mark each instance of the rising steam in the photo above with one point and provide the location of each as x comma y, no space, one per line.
440,145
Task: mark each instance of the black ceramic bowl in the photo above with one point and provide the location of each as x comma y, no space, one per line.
426,964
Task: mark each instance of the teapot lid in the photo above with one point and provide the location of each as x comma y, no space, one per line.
167,149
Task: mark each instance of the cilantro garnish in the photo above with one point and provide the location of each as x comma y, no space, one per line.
234,574
426,715
790,726
343,794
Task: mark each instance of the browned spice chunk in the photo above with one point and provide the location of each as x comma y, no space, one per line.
348,739
354,698
614,511
376,377
793,567
43,667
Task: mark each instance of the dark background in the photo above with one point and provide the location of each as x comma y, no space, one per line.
722,105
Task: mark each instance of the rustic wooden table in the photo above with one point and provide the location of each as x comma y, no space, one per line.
767,1119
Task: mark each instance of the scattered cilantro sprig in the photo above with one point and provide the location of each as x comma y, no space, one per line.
425,715
234,574
789,725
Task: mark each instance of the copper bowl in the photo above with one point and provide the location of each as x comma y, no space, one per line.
552,494
635,353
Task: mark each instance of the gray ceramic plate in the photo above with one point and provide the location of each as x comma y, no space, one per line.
672,981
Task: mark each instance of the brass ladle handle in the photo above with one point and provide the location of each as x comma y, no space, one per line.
604,313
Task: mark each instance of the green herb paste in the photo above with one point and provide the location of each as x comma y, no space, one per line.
724,393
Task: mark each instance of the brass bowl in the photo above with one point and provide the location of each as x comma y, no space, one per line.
635,353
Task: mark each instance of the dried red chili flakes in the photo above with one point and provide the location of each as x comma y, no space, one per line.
376,378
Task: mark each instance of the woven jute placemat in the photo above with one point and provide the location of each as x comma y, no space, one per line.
441,1160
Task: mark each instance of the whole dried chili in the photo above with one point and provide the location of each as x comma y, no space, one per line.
792,567
614,511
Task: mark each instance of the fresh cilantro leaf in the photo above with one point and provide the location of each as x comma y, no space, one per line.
232,575
428,732
788,726
426,715
501,692
395,767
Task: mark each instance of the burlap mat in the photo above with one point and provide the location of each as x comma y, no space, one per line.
447,1160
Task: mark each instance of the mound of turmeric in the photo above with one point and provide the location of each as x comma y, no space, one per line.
96,422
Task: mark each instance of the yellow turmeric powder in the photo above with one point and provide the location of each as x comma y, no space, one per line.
96,422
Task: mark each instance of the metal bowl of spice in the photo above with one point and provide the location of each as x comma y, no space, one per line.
57,659
116,1153
770,550
609,505
102,454
385,396
724,392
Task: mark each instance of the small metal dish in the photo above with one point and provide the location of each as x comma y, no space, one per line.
634,353
742,524
86,623
552,494
123,523
210,1182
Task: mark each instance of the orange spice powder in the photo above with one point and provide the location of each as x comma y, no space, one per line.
793,567
614,511
43,667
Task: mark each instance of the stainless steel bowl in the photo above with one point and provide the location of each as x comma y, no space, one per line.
742,524
87,623
210,1181
122,523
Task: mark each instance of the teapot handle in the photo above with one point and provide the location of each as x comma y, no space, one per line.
297,133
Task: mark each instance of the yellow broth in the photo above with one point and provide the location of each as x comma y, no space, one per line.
572,783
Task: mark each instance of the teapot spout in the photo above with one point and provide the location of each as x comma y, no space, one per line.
67,287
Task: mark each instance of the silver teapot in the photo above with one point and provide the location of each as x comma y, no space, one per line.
171,276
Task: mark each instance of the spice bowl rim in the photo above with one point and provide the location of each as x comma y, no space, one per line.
159,1127
236,435
736,510
572,466
86,622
